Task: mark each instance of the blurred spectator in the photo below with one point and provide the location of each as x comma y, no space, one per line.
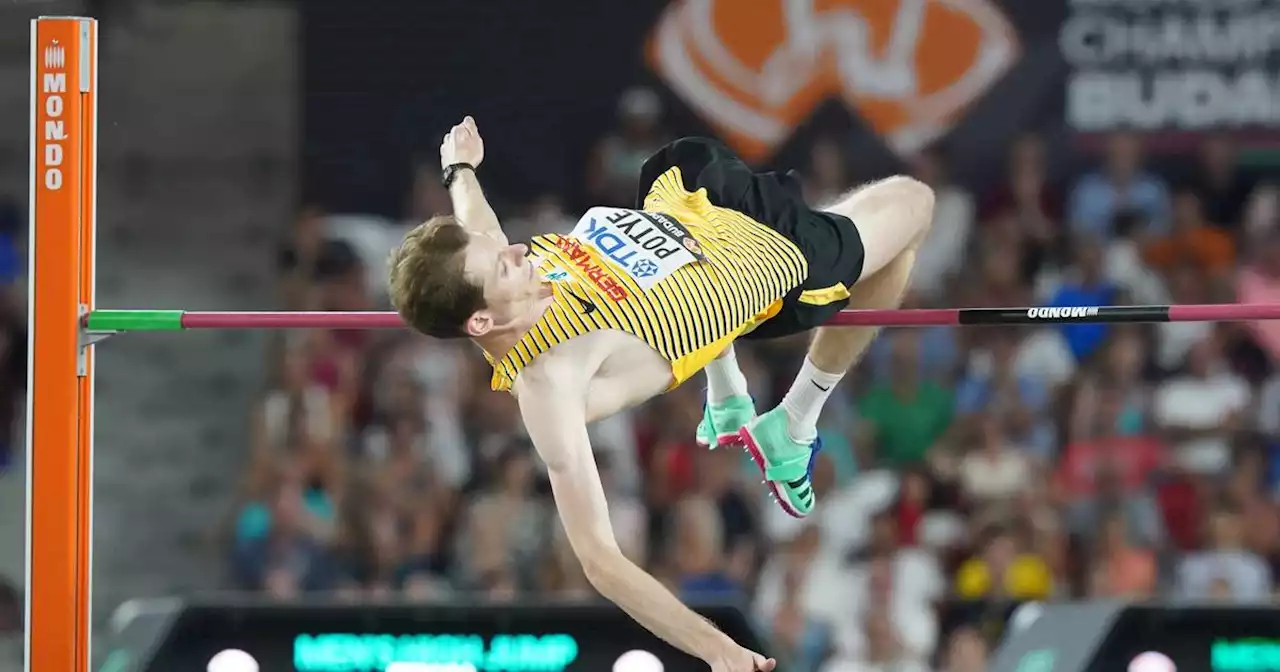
1004,571
801,596
966,651
281,540
1125,267
1121,185
902,418
545,215
1192,241
702,570
992,387
1225,568
1085,285
994,469
828,176
1121,570
941,255
1200,411
1026,194
508,527
1175,339
615,163
427,196
1259,282
1222,187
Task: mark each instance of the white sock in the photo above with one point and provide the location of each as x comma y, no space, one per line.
724,378
805,399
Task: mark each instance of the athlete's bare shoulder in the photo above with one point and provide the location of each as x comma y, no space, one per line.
616,370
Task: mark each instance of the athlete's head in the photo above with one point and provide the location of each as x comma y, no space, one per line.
448,282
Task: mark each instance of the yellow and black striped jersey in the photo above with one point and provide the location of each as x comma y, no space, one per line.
683,275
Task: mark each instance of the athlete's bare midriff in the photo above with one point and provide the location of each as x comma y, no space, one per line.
622,370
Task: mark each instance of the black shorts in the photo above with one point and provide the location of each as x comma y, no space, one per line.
830,243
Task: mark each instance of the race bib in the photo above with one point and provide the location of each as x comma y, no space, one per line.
648,246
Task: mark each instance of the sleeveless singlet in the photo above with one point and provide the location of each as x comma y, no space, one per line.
683,275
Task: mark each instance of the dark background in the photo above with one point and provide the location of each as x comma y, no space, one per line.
383,81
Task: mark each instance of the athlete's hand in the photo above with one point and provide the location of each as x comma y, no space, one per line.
742,660
462,145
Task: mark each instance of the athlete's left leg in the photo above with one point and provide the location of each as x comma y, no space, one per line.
729,405
893,216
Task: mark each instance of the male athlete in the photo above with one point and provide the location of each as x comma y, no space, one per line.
634,302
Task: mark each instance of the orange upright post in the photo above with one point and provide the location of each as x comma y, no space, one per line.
60,397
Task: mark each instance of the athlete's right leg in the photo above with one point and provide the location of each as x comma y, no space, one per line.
893,217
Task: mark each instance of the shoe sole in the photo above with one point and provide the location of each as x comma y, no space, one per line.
722,441
757,456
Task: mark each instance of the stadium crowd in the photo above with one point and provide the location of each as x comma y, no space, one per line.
964,470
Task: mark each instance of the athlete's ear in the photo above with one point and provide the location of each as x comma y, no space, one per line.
479,324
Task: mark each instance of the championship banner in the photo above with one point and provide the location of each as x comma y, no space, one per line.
1170,66
399,637
756,71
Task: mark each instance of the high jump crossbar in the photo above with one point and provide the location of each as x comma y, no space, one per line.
118,321
64,324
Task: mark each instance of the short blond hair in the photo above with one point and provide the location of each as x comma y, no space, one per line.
427,282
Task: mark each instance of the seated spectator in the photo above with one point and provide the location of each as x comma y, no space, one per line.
424,566
716,481
1192,241
296,401
1259,282
827,178
993,387
508,526
1125,267
1026,194
1085,285
800,596
1174,339
941,255
994,469
697,550
900,582
546,214
1200,412
1222,186
1101,472
904,417
1120,185
966,651
1043,355
616,159
1003,571
282,541
1121,570
1225,566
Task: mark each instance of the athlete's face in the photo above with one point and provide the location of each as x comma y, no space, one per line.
508,280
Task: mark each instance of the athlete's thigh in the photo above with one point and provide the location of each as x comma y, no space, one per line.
891,216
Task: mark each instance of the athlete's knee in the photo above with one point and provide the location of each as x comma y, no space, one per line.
918,200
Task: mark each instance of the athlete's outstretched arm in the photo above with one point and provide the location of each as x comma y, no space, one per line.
464,145
553,407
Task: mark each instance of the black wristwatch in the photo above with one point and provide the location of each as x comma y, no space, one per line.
451,172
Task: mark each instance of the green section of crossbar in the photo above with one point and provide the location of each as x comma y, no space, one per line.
134,320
